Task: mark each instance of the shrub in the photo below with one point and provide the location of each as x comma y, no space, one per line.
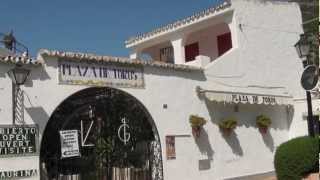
296,158
263,121
228,123
197,121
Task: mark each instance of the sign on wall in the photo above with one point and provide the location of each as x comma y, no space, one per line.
18,140
253,99
69,143
171,147
18,174
98,74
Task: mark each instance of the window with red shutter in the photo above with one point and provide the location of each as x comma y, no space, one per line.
191,51
224,43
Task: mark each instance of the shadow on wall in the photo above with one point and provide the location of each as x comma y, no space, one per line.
246,114
205,148
234,143
37,114
187,74
290,112
4,68
37,73
268,141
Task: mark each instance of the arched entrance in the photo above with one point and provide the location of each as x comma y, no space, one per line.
117,139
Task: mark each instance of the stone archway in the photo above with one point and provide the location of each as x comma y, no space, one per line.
100,116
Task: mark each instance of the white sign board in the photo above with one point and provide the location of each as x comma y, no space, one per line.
253,99
69,143
98,74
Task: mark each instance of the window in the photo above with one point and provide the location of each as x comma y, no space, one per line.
191,51
166,54
224,43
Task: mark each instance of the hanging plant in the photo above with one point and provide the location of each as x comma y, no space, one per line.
263,122
227,125
196,123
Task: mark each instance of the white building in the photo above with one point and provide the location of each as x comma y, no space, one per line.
236,59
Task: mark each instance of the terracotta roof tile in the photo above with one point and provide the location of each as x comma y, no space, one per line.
15,59
191,19
112,59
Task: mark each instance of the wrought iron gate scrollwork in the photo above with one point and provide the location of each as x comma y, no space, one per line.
121,144
156,167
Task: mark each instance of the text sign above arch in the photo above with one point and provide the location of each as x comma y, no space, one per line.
99,74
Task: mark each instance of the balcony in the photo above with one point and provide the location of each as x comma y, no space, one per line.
198,47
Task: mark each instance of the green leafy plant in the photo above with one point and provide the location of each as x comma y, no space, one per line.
263,121
297,158
197,121
228,123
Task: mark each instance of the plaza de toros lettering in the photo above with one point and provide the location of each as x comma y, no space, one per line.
253,99
18,140
100,74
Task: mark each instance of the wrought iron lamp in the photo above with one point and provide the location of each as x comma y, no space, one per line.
303,46
303,50
18,75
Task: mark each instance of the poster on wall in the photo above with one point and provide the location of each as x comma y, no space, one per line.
69,143
171,147
18,140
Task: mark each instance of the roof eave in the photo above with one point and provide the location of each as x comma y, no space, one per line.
20,60
179,25
111,59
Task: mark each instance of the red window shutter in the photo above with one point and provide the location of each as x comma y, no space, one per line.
191,51
224,43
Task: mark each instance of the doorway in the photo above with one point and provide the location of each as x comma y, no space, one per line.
117,139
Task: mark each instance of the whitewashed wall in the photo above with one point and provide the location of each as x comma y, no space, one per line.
12,163
299,127
211,156
264,62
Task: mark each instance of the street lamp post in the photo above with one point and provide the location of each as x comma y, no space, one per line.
303,49
18,75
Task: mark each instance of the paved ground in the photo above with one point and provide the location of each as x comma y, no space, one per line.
270,178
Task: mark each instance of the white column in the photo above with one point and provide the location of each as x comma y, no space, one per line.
178,50
233,30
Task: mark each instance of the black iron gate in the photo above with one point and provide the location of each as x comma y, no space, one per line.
117,139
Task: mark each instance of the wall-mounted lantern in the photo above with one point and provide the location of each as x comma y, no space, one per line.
18,75
303,49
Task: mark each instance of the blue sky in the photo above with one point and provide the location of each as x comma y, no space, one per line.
95,26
